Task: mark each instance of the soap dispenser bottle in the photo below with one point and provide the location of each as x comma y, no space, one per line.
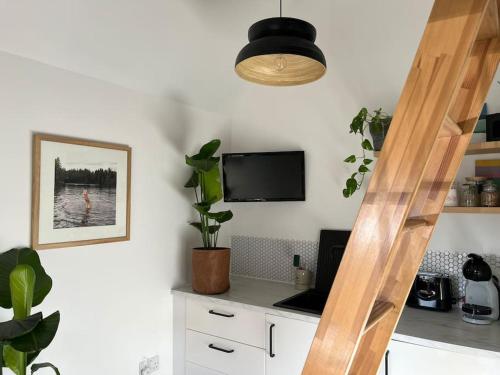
302,276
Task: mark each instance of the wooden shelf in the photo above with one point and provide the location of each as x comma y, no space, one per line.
472,210
473,149
483,148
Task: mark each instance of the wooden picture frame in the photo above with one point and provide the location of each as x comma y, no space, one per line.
80,192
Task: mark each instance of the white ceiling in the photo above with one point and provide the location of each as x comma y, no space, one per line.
185,49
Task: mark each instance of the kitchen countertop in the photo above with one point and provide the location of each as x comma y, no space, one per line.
427,328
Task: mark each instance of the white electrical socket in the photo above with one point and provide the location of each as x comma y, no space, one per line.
154,363
149,365
143,367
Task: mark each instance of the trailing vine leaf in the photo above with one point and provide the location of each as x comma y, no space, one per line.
357,124
367,161
350,159
363,169
351,186
367,145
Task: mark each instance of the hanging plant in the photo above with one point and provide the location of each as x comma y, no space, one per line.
376,121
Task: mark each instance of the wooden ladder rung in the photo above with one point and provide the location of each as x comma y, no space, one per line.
450,128
415,223
379,311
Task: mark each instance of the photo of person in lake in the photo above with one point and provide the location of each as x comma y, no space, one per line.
84,194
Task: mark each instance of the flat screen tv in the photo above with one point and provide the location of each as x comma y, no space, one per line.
264,176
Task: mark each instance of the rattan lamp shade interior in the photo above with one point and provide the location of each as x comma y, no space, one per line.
281,52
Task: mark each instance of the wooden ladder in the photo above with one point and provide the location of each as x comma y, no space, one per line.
430,131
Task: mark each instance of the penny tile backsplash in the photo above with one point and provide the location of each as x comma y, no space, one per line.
271,258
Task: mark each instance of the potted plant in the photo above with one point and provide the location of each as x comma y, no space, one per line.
23,285
210,264
378,123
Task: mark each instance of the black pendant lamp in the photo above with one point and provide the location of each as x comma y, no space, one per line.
281,52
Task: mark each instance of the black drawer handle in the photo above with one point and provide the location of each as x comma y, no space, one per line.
271,354
221,314
229,351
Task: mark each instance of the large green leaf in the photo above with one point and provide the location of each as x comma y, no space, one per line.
38,366
22,285
14,360
202,207
197,225
202,165
31,357
213,229
40,337
193,181
15,327
8,261
209,149
212,189
220,217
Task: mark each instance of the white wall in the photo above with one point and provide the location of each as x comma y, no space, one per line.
114,298
312,118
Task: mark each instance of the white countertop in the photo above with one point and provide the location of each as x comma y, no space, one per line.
427,328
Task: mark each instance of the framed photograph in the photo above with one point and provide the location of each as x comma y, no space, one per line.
81,192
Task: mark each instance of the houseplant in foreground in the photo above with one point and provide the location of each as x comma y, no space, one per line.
210,264
23,285
378,123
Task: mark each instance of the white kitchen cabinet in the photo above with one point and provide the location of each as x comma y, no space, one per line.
193,369
411,359
288,342
247,332
226,320
224,356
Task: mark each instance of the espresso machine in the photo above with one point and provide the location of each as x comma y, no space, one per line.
481,292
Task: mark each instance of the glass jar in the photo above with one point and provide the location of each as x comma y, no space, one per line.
489,195
452,197
469,196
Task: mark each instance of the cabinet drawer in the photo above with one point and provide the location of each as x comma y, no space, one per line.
228,357
227,321
192,369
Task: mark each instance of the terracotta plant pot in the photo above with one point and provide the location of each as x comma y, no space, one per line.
210,270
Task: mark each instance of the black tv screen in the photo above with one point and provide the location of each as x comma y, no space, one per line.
264,176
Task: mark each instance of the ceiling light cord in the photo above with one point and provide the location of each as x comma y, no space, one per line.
281,8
